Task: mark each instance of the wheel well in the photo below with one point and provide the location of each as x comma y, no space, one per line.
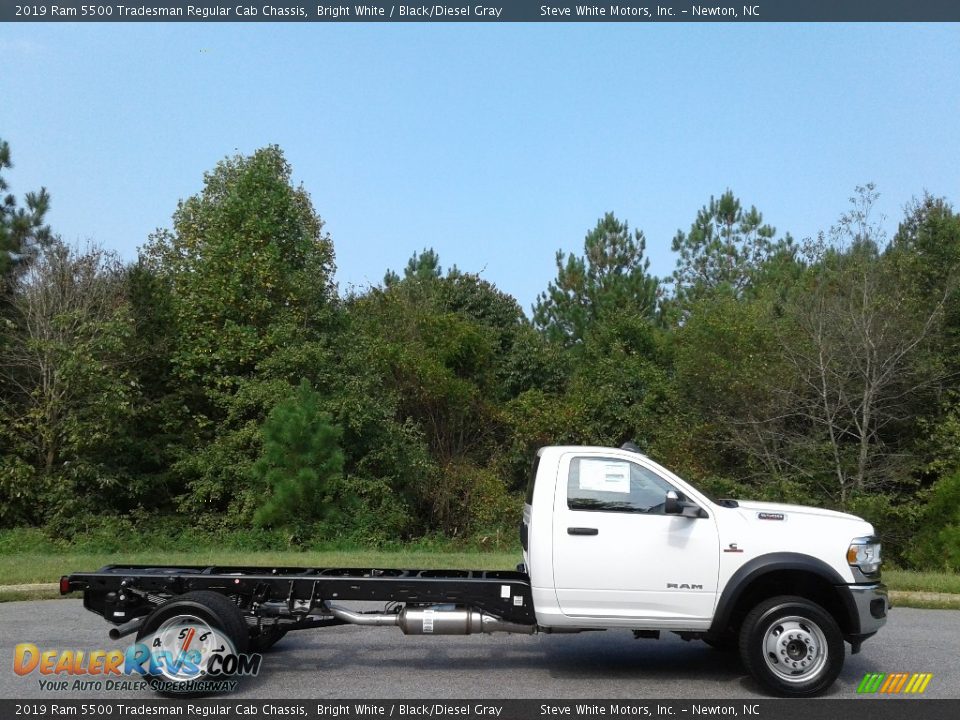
805,584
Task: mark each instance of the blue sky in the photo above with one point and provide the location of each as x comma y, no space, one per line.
494,144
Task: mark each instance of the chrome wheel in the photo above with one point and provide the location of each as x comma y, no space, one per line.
795,648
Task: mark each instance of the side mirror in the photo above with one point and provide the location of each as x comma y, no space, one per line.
671,505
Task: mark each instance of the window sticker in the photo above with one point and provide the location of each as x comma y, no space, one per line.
605,476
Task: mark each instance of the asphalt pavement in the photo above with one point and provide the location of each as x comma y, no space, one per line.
382,663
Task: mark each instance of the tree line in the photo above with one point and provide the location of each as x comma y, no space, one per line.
222,380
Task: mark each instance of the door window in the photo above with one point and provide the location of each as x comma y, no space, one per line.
613,485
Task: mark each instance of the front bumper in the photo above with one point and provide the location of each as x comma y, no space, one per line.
867,606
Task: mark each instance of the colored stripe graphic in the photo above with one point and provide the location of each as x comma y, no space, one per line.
889,682
871,682
895,683
901,681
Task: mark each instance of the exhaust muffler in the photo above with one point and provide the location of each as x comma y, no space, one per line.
433,620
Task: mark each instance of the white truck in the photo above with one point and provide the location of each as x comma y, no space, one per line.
611,540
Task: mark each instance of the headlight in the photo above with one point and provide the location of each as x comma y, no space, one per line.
864,553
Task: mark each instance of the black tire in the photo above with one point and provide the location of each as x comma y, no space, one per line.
212,608
792,646
263,641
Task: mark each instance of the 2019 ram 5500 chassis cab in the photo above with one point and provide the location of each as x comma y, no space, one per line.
610,540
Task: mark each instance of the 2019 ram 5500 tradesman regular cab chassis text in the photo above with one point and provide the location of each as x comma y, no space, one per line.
610,540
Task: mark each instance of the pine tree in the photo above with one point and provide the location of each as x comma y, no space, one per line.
724,248
421,267
301,464
611,279
22,229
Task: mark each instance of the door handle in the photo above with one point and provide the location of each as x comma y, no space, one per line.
582,531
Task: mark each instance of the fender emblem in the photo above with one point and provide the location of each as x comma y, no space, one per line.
732,547
683,586
771,516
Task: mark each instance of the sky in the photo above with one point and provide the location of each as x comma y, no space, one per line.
496,145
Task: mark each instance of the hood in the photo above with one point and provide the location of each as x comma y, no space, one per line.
751,510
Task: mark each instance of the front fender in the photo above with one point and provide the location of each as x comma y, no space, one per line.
756,568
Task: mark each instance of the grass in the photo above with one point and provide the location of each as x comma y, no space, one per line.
17,595
926,603
918,581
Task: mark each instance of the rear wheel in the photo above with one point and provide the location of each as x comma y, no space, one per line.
792,646
179,639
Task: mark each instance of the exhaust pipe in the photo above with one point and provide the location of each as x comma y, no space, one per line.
433,620
357,618
131,626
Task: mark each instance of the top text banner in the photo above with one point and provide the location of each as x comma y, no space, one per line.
511,11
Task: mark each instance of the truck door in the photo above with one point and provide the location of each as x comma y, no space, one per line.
615,552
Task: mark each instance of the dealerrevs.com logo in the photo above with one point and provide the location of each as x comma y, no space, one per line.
183,656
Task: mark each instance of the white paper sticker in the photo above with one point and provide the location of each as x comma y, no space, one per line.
505,592
605,476
518,600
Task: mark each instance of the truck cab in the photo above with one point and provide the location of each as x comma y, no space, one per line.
612,539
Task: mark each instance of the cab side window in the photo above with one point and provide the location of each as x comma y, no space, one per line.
614,485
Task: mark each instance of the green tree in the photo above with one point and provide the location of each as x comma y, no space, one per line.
440,363
926,249
808,386
807,389
250,277
429,359
937,544
301,464
161,424
857,346
610,278
22,229
617,388
724,248
521,359
925,255
620,382
423,266
728,368
69,392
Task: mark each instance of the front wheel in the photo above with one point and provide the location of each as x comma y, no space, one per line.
792,646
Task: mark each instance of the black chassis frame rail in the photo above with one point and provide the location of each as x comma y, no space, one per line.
122,592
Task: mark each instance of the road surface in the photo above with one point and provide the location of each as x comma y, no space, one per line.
382,663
